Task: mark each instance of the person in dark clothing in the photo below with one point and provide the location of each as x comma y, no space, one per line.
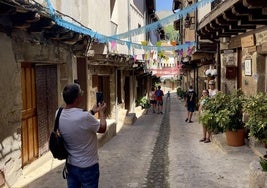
190,103
159,98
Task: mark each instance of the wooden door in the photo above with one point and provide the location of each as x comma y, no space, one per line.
127,93
46,103
103,85
29,114
82,80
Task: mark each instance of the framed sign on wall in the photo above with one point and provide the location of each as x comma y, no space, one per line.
248,68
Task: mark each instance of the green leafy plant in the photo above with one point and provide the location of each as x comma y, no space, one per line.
263,163
143,102
180,92
230,116
223,112
208,116
256,109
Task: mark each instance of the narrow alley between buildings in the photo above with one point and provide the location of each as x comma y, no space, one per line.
160,150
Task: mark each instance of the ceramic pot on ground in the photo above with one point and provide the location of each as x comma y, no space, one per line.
235,138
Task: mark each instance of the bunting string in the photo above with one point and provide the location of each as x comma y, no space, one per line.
117,38
165,21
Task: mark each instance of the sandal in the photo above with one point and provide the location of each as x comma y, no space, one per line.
207,141
202,140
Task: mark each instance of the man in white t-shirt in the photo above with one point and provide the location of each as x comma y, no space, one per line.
79,129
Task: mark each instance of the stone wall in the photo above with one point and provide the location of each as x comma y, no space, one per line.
10,111
255,82
17,49
227,60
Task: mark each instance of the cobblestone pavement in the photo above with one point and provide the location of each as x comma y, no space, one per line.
162,151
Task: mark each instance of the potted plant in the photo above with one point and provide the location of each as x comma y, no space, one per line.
223,113
229,118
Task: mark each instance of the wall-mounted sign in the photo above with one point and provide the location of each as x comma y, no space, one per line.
248,68
247,41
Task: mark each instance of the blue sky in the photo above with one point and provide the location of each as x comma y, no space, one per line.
163,5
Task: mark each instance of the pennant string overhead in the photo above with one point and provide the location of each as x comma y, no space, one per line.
165,21
117,38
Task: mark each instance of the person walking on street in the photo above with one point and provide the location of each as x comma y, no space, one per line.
159,98
190,103
203,99
79,130
168,95
152,99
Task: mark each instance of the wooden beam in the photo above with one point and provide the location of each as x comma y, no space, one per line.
221,22
239,10
229,16
236,26
41,25
255,3
214,14
246,21
258,17
6,10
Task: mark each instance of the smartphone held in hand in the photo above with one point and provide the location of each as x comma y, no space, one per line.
99,98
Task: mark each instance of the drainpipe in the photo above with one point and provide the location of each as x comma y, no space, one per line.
196,39
218,66
116,96
129,23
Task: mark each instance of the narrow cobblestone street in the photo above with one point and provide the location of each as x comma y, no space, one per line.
164,151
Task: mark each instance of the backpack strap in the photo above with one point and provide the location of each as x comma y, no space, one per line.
57,119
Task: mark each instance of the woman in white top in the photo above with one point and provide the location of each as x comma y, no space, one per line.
212,90
203,99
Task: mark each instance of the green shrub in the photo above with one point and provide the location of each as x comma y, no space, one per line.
143,102
223,112
256,108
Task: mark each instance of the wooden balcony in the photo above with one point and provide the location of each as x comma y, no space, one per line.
233,17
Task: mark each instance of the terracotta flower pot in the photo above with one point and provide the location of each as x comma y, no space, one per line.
235,138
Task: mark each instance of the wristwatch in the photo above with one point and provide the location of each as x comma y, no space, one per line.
92,112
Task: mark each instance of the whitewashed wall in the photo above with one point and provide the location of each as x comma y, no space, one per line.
202,11
138,18
96,15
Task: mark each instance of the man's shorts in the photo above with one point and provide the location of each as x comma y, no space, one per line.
153,102
160,103
191,108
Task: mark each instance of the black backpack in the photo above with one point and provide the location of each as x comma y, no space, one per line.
56,142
